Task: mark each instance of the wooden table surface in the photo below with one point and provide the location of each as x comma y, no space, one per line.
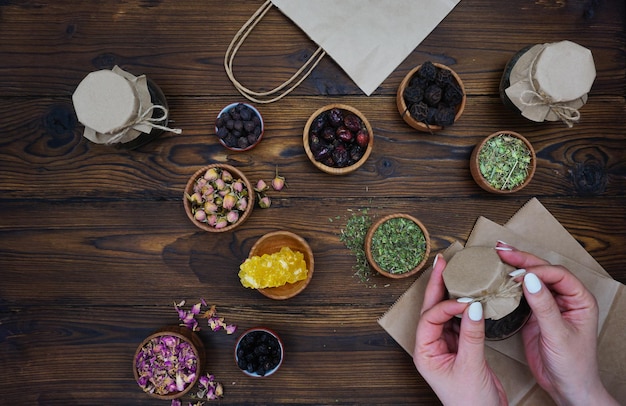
95,246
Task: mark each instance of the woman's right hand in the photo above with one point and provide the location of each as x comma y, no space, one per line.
561,336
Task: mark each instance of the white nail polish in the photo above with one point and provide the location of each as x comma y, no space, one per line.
475,311
465,300
504,249
517,272
532,283
435,261
502,242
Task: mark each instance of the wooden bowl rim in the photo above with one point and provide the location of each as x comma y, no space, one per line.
184,334
280,344
277,293
368,245
402,107
475,167
237,174
330,169
257,112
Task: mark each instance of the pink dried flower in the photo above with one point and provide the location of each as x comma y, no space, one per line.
265,202
229,201
200,215
211,174
232,216
238,186
278,183
221,222
242,204
261,186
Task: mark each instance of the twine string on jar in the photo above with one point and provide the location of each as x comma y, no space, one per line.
507,289
144,118
569,115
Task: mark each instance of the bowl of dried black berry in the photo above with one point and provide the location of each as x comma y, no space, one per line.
338,139
239,126
259,352
431,97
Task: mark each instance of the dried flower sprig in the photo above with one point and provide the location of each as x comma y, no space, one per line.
261,188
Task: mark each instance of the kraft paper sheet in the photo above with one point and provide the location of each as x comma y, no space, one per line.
535,230
367,38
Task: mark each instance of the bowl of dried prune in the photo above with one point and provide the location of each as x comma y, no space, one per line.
259,352
338,139
431,97
239,127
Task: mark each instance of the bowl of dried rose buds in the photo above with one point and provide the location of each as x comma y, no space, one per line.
431,97
239,126
338,139
218,198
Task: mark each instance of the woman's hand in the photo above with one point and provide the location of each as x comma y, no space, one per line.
452,361
560,337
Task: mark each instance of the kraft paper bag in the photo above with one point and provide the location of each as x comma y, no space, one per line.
547,239
367,38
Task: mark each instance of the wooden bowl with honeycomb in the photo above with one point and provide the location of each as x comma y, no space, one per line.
273,242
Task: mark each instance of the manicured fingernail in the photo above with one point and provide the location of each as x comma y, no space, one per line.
532,283
517,272
435,261
475,311
504,243
465,300
504,249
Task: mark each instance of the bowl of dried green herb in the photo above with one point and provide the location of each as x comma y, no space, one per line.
503,162
397,245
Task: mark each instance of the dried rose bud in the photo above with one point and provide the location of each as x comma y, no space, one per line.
229,201
242,204
207,190
220,184
221,223
210,207
211,174
232,216
261,186
227,177
212,220
200,183
238,186
200,215
195,198
278,182
265,202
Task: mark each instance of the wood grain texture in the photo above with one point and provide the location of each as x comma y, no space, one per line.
95,246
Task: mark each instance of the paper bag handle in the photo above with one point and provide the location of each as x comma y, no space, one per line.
236,43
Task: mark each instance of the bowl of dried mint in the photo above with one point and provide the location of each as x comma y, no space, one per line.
431,97
397,245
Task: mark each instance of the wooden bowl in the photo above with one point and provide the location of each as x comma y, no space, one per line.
237,174
184,334
475,165
403,108
256,112
370,256
273,242
266,331
330,169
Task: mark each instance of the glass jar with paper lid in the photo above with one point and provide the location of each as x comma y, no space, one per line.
120,109
549,82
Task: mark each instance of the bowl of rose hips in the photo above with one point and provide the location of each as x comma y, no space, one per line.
259,352
239,127
431,97
338,139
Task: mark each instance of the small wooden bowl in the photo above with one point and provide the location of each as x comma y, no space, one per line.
256,112
475,166
273,242
329,169
280,344
237,174
184,334
368,246
403,108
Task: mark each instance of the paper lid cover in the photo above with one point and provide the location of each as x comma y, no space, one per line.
477,272
105,101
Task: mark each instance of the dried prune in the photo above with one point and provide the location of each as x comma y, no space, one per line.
427,71
340,156
413,94
335,117
362,138
444,116
432,95
419,111
352,122
344,134
443,77
453,95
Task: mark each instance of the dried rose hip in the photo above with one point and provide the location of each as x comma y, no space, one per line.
338,138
